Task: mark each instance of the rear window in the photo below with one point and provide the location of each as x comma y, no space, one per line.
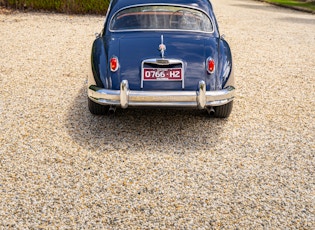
161,18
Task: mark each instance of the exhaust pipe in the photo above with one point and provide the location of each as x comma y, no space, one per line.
211,111
111,111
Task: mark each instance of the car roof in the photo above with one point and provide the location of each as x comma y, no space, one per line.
204,5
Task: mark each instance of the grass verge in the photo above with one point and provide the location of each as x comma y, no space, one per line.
61,6
308,6
100,6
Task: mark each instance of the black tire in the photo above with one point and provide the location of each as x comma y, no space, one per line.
223,111
97,109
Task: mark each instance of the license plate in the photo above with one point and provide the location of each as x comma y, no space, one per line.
162,74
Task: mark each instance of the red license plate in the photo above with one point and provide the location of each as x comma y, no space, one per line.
159,74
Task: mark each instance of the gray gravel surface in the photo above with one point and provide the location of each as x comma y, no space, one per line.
61,167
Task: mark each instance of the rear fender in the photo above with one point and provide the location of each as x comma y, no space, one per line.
99,65
226,76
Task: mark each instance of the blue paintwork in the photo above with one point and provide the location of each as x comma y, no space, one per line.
131,48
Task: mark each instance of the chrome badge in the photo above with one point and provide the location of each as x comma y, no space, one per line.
162,47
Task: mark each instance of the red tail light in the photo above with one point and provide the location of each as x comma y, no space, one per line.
114,64
210,65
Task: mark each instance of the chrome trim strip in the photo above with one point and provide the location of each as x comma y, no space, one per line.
163,61
126,97
162,4
162,47
162,30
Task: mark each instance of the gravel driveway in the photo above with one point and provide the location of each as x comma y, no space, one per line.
61,167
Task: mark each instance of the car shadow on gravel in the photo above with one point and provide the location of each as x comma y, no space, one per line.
134,129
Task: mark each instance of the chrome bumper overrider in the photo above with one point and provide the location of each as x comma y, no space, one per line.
126,97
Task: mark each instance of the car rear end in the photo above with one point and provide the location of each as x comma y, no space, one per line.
161,55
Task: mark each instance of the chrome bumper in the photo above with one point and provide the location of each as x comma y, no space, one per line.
126,97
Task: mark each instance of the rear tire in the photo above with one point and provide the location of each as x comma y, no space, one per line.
97,109
223,111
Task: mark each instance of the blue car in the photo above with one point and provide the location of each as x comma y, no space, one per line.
154,53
